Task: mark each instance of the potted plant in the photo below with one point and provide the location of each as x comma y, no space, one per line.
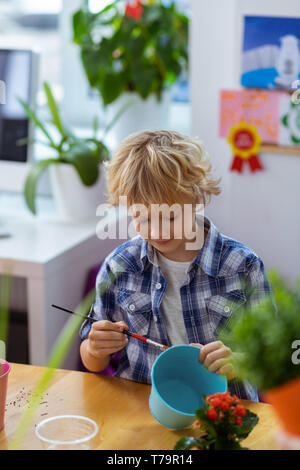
269,347
75,170
132,53
223,423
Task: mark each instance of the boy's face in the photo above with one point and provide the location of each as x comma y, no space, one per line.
167,228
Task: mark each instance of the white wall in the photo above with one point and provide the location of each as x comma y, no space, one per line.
262,209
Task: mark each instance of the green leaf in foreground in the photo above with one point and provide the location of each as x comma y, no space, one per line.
263,338
60,351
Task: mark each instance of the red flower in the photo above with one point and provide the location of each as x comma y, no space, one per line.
238,421
236,399
229,400
215,396
134,10
215,402
240,410
224,405
212,414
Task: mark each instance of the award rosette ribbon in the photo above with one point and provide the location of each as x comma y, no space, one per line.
245,142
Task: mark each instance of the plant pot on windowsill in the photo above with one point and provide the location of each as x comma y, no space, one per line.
267,340
77,174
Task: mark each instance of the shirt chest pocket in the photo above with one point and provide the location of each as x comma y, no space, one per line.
137,310
220,309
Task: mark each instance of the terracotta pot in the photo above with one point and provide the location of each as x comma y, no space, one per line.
286,402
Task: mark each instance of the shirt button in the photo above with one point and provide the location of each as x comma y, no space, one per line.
226,309
158,285
132,307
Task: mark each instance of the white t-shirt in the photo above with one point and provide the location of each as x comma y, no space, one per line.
175,273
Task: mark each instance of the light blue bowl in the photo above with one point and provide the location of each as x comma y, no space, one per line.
178,383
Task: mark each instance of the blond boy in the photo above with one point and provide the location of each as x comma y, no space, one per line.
180,279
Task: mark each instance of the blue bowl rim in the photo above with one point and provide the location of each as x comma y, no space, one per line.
153,382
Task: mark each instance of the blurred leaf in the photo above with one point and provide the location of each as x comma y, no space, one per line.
150,15
54,109
112,87
95,126
186,443
57,356
33,117
264,339
143,78
249,423
28,141
59,352
86,163
122,110
32,181
81,26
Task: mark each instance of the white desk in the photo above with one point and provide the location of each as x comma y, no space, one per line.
55,259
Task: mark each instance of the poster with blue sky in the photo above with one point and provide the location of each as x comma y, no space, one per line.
271,52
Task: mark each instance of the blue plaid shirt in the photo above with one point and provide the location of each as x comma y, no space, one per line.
130,287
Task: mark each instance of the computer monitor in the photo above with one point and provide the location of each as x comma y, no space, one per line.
18,78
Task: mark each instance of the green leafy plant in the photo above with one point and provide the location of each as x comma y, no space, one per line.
223,423
85,154
265,339
133,46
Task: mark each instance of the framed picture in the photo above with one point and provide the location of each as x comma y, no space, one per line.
271,53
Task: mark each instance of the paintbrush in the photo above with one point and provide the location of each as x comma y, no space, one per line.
125,332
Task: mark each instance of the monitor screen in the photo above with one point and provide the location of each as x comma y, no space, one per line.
16,75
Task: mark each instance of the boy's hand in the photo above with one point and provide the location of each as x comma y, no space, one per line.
106,338
217,357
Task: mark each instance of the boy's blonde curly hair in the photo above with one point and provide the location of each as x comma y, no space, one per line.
156,167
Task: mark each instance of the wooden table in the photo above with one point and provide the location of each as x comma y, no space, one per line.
119,406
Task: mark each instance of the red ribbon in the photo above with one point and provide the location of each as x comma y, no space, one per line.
254,163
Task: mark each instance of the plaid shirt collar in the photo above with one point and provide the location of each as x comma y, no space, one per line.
208,257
